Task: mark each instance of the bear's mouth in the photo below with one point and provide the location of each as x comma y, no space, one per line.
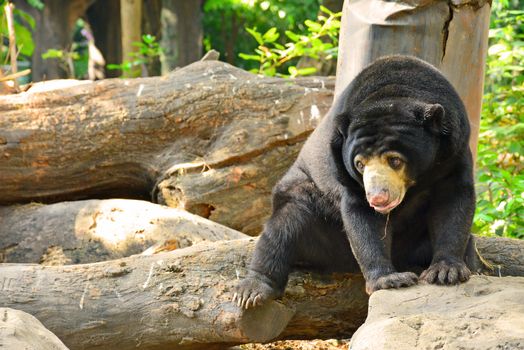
385,209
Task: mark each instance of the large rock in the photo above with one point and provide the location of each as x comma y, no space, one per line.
484,313
19,330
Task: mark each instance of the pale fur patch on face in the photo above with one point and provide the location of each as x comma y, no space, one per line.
386,172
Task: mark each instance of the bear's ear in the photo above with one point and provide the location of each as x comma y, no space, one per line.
341,124
434,118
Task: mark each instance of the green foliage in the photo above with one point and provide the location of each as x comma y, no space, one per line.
224,22
66,59
74,60
60,54
37,4
320,43
148,49
23,23
500,161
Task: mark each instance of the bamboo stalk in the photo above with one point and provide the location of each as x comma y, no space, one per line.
8,9
14,76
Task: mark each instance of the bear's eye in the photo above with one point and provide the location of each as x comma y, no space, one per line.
395,162
359,165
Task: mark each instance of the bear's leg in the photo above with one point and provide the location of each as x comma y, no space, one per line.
276,250
450,218
371,246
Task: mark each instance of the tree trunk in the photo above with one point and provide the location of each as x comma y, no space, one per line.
189,27
333,5
182,33
182,25
152,25
131,20
181,299
104,18
170,34
203,138
452,35
53,30
97,230
230,38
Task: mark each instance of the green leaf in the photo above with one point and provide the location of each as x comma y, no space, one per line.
271,35
313,26
485,217
148,38
271,71
24,40
249,57
326,10
292,36
37,4
256,35
307,71
25,16
53,53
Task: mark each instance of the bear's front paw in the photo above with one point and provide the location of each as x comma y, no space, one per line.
448,271
393,280
252,291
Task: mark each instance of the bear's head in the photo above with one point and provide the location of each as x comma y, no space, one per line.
389,145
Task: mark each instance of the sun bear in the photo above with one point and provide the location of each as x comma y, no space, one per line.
384,185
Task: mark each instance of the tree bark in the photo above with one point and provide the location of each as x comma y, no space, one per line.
131,29
53,30
182,27
151,24
203,138
452,35
189,27
169,54
181,299
176,300
96,230
104,18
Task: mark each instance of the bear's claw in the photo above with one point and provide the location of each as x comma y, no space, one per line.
252,292
446,272
393,280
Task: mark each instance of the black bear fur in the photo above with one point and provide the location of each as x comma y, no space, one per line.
321,219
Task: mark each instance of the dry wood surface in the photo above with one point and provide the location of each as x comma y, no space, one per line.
210,138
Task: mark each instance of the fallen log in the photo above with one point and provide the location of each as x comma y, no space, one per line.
201,138
96,230
176,300
181,299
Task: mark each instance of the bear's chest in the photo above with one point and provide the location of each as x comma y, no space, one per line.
410,219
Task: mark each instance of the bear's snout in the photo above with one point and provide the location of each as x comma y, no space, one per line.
378,199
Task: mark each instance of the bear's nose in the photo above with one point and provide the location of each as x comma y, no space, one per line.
379,198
